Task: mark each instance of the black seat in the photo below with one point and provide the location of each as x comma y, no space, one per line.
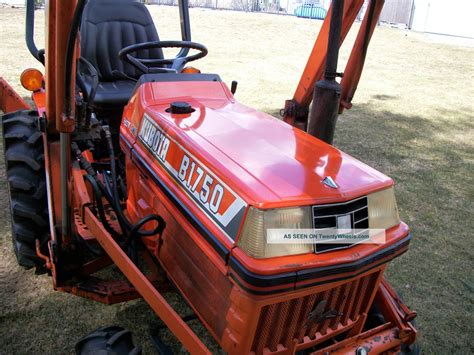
107,27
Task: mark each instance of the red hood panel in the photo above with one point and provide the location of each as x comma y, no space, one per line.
268,162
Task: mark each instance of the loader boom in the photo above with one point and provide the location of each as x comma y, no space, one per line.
297,109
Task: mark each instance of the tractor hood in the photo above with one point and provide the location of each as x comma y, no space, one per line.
265,161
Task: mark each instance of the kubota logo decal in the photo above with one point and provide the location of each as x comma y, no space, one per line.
319,314
205,189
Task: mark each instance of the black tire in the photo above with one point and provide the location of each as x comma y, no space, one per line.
412,349
25,173
108,341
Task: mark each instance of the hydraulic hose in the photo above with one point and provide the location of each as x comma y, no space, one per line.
113,169
131,231
92,178
100,207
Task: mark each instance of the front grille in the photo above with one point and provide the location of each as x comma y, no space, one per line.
326,217
282,322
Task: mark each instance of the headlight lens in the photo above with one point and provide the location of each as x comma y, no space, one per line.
383,211
383,214
253,239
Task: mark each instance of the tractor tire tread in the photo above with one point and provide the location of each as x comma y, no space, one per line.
108,340
21,209
25,118
24,160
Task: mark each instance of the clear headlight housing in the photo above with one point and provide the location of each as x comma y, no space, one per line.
383,210
253,239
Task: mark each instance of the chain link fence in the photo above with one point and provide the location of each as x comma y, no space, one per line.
303,8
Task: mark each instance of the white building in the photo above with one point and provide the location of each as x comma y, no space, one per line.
443,17
452,18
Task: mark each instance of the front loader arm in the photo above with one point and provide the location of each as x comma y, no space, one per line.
10,100
296,109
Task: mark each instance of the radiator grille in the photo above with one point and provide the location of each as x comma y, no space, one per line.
282,322
326,217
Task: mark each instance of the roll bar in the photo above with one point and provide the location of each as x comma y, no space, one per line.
30,31
38,54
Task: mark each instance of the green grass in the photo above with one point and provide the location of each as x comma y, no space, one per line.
412,119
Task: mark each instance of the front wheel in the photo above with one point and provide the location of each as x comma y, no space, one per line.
108,341
25,173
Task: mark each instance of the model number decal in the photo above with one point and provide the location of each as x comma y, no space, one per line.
197,181
205,189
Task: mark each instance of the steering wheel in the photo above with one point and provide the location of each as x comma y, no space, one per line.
151,66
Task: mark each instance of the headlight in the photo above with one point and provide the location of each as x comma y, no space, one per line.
253,239
383,211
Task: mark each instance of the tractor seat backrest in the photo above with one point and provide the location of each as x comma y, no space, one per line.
110,25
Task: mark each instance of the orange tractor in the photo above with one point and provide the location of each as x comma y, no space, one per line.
135,160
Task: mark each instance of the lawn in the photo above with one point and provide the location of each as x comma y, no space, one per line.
412,119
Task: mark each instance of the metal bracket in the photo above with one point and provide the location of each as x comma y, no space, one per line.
295,114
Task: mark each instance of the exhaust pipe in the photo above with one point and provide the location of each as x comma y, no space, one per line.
327,92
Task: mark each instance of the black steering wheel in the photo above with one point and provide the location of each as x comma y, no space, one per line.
151,66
